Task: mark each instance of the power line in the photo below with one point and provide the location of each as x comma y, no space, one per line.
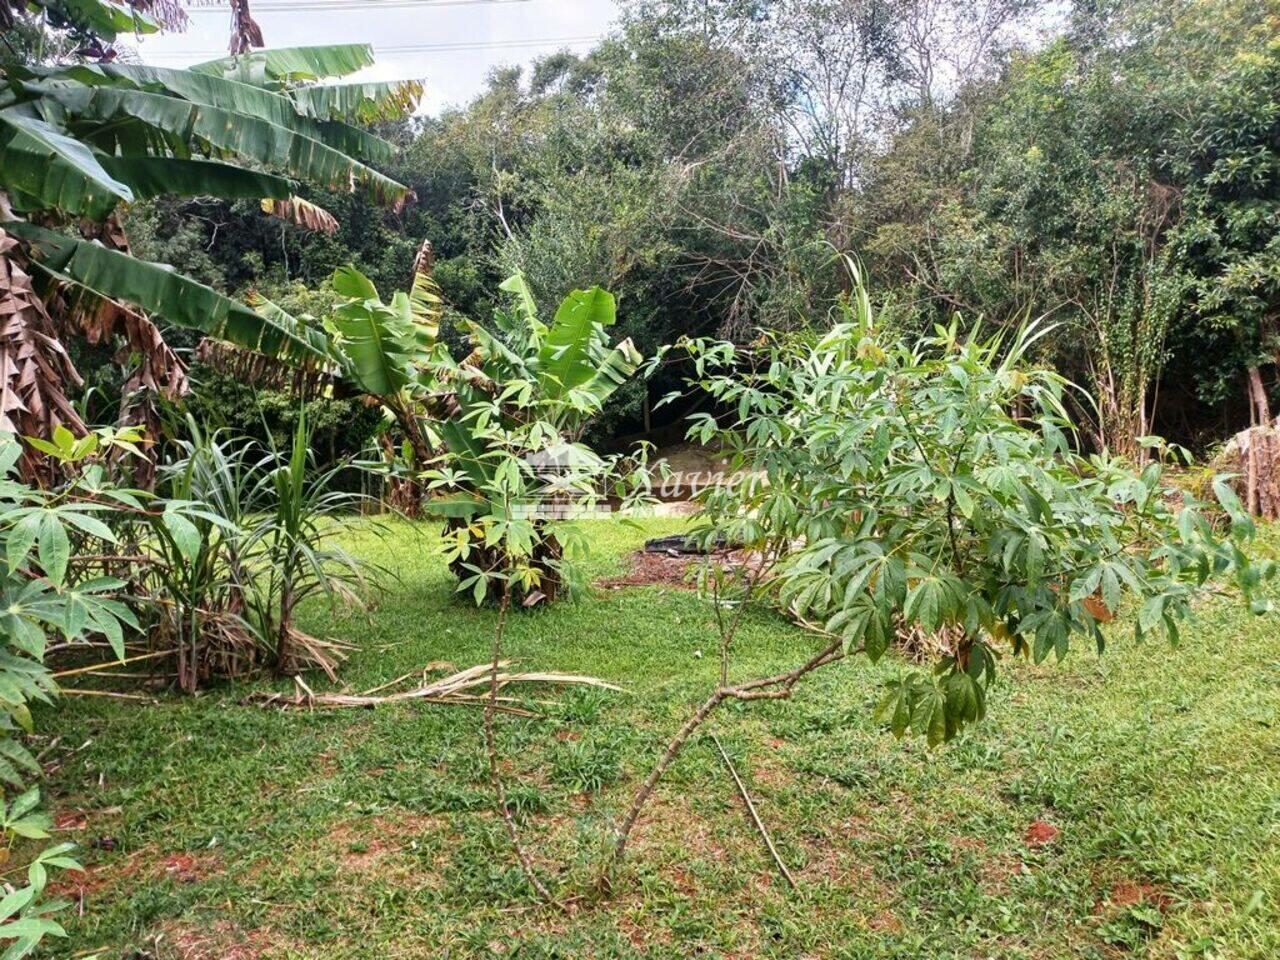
461,45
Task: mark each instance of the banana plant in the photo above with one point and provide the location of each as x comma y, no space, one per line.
79,142
490,440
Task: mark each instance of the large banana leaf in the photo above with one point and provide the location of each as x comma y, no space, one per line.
426,308
565,358
468,449
615,368
376,341
159,290
39,162
249,137
102,19
161,176
365,102
350,282
230,95
518,286
287,64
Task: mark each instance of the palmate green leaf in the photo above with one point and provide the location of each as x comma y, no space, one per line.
19,755
21,538
564,359
24,803
158,289
929,714
931,602
53,548
28,932
55,170
249,137
291,63
15,901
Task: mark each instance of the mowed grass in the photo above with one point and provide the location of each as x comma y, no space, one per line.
1127,805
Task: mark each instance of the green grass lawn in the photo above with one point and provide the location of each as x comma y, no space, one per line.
1127,805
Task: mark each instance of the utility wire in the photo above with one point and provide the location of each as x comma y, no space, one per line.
430,47
278,6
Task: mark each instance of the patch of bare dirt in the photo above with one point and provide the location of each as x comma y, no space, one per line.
1041,833
1130,893
653,569
69,820
886,921
995,873
366,847
221,940
186,868
675,569
80,885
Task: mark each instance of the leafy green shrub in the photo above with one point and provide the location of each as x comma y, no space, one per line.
45,592
935,485
494,436
244,537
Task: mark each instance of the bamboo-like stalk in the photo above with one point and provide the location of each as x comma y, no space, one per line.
755,816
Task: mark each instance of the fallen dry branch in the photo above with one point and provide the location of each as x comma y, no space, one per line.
95,667
755,816
463,687
111,694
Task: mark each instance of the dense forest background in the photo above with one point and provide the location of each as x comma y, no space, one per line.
1112,165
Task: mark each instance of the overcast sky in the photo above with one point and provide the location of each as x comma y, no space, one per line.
452,44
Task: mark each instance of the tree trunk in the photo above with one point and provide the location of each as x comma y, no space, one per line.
1259,407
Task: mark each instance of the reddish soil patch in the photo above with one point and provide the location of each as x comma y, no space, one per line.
674,570
1041,833
369,846
653,569
79,884
1128,893
184,868
886,921
222,940
67,820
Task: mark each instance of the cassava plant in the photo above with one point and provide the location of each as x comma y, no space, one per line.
47,590
932,485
